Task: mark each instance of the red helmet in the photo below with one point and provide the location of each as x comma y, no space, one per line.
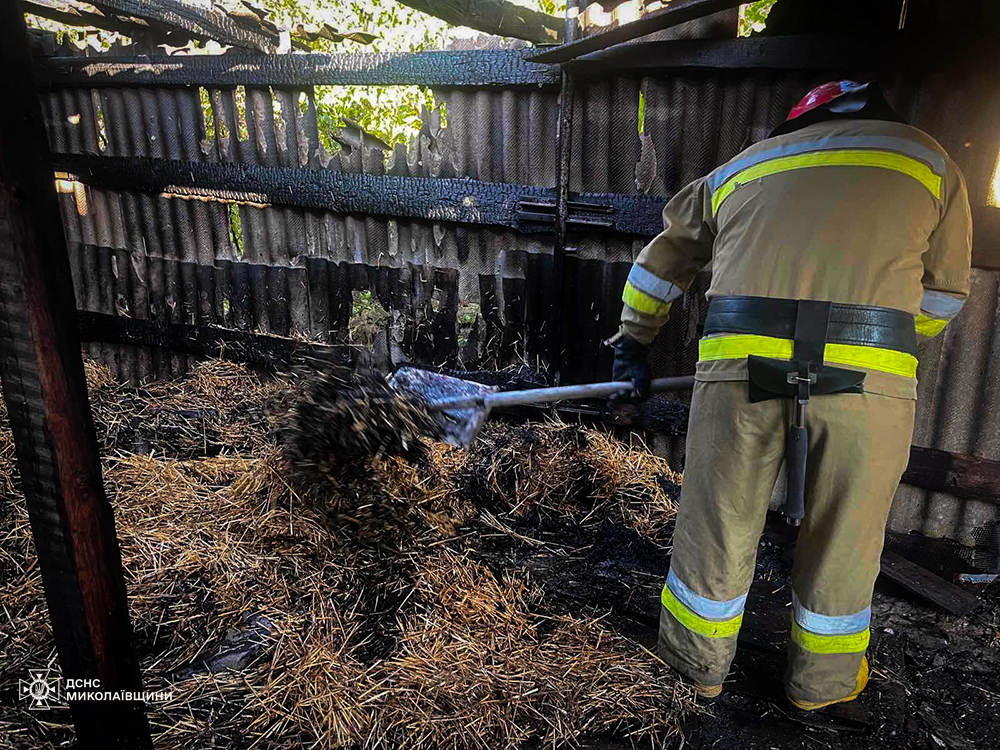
823,95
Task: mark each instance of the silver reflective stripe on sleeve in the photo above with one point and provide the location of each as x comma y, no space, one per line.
654,286
940,304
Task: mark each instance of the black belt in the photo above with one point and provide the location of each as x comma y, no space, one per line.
811,325
861,325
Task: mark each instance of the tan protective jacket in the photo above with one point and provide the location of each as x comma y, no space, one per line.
864,212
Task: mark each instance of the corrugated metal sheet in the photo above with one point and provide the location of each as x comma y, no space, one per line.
294,271
958,410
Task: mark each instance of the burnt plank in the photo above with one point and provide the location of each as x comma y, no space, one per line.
435,69
500,17
212,22
453,199
894,50
490,313
513,312
240,346
958,474
677,12
926,585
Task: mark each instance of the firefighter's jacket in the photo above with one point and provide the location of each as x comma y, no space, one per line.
864,212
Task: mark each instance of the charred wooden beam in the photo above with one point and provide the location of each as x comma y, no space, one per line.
677,12
204,341
802,52
500,17
874,53
966,477
213,22
432,199
564,149
44,387
74,17
926,585
445,69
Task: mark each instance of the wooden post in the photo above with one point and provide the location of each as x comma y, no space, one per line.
46,394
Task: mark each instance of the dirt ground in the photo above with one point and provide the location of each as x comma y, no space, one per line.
507,597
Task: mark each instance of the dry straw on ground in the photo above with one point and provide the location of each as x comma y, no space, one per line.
380,631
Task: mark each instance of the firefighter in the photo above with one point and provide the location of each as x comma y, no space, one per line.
835,244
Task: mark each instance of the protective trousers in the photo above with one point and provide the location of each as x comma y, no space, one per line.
858,448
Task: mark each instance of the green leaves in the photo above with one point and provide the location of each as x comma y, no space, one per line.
753,17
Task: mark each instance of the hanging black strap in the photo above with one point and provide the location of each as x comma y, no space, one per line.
812,322
811,326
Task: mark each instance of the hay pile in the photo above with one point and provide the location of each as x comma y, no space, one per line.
353,611
574,472
220,407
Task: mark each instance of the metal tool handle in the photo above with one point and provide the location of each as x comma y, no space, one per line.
562,393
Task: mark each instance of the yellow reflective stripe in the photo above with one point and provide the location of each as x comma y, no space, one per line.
830,644
927,326
696,624
644,303
849,158
739,346
884,360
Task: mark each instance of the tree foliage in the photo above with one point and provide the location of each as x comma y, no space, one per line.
393,113
753,16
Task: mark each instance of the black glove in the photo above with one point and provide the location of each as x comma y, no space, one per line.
632,363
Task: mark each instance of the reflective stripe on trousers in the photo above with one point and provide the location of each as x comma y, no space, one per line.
706,617
829,634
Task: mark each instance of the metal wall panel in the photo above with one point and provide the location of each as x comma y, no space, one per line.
958,410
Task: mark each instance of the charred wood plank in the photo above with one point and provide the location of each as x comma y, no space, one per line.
206,341
926,585
677,12
74,17
800,52
213,22
441,70
500,17
966,477
887,51
433,199
72,522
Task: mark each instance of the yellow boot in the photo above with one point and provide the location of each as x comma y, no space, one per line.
707,691
862,681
